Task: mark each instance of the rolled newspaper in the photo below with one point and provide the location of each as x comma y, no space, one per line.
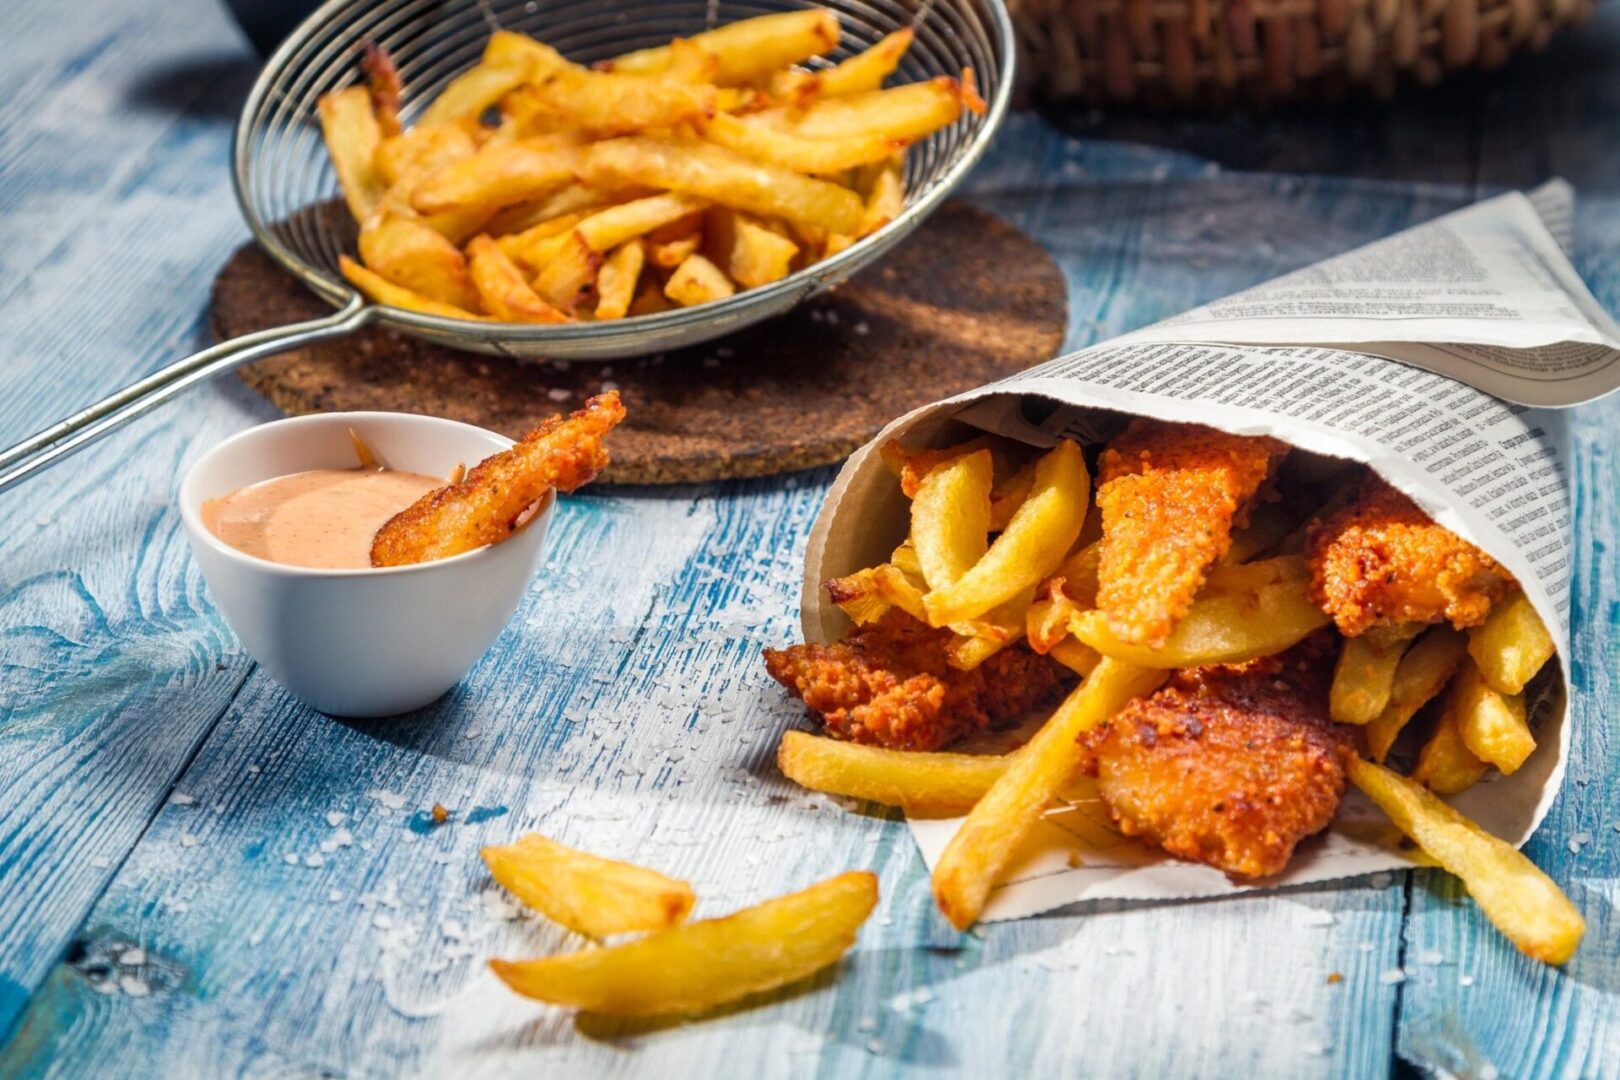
1398,355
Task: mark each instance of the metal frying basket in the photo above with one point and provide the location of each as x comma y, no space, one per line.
288,192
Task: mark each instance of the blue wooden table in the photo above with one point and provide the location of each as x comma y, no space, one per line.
199,877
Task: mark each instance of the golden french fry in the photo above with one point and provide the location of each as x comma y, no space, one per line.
697,281
766,142
1422,673
950,517
866,595
1079,658
1365,673
349,128
472,92
610,227
905,557
1219,628
507,48
751,253
1006,498
608,104
411,254
1042,531
650,298
977,640
903,112
1445,765
668,254
1492,724
385,292
1049,615
519,246
500,174
864,71
571,198
884,185
976,856
501,287
1511,645
910,466
616,281
924,784
1521,901
588,894
749,49
566,279
724,176
698,965
421,150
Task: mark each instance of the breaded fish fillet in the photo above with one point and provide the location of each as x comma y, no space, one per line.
1170,496
1227,766
1379,560
888,684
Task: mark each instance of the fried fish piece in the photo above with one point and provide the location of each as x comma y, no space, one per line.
488,503
889,684
1379,560
1170,496
1229,766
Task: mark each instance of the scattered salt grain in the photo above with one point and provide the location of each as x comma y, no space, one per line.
608,386
1578,841
874,1047
101,862
132,986
1317,917
1431,957
291,858
1392,976
313,860
1316,1049
1465,980
559,394
132,957
867,1024
391,799
188,839
472,733
180,798
106,986
334,896
863,328
335,818
256,938
1488,1072
382,920
1365,946
253,770
340,838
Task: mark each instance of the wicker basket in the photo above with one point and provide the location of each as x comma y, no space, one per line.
1211,53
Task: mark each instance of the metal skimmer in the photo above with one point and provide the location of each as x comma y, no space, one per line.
288,193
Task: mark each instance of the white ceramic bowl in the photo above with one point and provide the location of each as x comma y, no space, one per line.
359,642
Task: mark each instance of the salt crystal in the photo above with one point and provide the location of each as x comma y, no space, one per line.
874,1046
1465,980
132,957
472,733
334,896
291,858
256,938
106,986
559,394
1431,957
1488,1072
391,799
132,986
411,838
453,930
1317,917
188,839
253,769
1392,976
1578,841
608,386
313,860
100,862
1316,1049
180,798
863,327
922,996
382,920
1365,946
340,838
867,1024
335,818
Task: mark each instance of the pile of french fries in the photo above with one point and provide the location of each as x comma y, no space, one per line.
535,190
677,967
1003,549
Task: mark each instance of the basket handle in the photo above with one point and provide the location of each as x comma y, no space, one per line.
69,436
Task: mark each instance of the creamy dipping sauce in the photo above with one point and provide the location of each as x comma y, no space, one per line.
323,518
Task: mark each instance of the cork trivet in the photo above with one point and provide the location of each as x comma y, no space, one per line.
965,300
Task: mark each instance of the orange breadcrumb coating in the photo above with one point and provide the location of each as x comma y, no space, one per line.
888,684
1227,766
1170,496
488,503
1379,560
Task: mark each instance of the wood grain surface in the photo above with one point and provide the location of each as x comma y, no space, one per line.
199,877
965,300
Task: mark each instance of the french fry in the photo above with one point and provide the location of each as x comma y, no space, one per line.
422,149
588,894
616,281
766,142
385,292
571,198
976,856
1049,615
751,254
867,595
699,965
923,784
519,246
885,188
1079,572
608,104
1033,545
472,92
1079,658
1422,673
1492,724
1365,673
500,175
1511,645
1006,498
566,279
1521,901
668,254
352,135
650,298
610,227
501,287
507,48
910,466
864,71
903,112
905,557
748,49
713,172
950,518
1219,628
979,639
384,86
409,253
697,281
1445,765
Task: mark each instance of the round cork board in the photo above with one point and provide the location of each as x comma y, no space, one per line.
965,300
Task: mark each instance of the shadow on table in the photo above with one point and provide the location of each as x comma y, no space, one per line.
212,87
